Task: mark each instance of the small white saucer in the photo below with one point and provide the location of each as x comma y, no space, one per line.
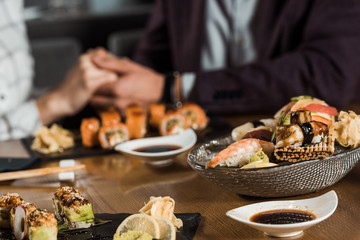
322,207
184,140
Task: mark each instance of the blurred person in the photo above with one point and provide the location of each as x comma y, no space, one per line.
237,56
20,115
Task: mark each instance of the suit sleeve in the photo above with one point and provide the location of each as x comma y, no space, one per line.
153,49
326,64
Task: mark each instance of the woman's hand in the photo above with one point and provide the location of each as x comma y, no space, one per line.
136,84
74,93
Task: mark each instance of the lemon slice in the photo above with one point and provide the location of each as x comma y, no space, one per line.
167,229
140,222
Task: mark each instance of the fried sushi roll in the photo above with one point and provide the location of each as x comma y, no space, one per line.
195,116
110,117
156,112
173,123
72,208
89,129
136,123
37,225
7,202
111,135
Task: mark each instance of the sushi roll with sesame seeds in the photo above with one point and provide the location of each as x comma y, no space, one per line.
38,225
7,202
72,208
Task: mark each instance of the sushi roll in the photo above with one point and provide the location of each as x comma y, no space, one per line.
136,123
72,208
110,117
37,225
195,116
29,208
156,112
7,202
89,129
111,135
173,123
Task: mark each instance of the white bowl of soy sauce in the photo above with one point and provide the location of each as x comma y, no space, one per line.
286,218
158,151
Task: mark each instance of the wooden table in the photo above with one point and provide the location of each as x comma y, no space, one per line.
117,184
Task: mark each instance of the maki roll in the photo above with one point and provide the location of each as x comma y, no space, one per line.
7,202
173,123
109,117
111,135
156,112
136,123
195,116
89,131
37,225
29,208
72,208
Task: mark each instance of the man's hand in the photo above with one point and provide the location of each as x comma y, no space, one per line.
75,92
136,84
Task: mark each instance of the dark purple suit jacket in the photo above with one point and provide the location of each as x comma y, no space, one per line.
307,47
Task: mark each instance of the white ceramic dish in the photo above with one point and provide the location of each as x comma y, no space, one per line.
322,207
184,140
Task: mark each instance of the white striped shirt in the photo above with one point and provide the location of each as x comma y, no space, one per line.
19,116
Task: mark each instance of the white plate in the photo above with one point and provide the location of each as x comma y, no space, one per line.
184,140
322,207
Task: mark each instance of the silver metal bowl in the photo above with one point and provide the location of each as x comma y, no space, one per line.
280,181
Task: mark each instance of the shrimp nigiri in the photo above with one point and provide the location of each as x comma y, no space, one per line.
238,153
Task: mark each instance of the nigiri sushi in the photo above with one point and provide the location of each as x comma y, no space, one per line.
239,153
319,109
300,134
262,129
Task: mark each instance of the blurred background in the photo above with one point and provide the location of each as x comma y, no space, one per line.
60,30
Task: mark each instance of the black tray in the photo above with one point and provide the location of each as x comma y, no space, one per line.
77,151
217,127
107,230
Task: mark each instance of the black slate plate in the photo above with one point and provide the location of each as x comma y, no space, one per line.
106,231
75,152
217,127
15,164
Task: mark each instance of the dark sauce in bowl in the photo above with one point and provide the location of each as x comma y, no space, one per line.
157,148
282,216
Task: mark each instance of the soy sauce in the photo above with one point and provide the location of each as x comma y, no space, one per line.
157,148
282,216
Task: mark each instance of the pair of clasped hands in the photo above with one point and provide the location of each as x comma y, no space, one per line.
103,80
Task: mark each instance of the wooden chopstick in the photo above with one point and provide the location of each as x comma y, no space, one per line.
37,172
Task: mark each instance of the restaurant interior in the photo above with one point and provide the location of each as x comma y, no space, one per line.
181,169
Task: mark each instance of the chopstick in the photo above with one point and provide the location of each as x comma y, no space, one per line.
37,172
